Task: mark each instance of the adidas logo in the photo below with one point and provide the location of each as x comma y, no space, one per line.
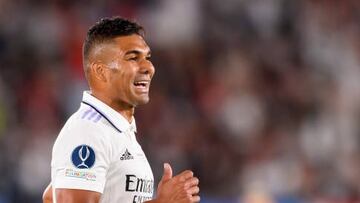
126,156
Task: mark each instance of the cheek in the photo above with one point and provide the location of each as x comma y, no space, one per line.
124,81
123,78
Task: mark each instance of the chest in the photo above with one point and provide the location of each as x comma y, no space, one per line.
129,177
130,169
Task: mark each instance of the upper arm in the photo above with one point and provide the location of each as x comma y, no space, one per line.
81,157
76,196
47,196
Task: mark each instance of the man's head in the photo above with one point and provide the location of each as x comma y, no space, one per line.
116,62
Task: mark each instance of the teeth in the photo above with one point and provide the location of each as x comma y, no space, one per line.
142,83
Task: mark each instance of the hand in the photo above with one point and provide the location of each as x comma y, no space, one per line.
182,188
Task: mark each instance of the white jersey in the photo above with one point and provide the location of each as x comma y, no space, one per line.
97,150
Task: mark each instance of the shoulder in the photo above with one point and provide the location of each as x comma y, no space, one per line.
84,126
81,134
90,119
85,122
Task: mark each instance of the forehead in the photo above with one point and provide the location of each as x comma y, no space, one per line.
131,42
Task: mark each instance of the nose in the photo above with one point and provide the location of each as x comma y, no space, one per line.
146,67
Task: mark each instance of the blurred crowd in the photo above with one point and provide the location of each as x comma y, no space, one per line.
261,98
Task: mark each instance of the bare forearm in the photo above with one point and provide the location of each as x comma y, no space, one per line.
151,201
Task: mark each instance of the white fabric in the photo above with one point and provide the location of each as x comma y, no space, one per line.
120,172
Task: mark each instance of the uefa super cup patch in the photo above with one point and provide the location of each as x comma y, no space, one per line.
83,157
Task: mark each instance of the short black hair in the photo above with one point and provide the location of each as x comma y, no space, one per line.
107,29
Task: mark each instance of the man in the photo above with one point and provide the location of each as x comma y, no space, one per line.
96,157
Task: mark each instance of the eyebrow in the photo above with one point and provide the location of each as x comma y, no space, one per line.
137,52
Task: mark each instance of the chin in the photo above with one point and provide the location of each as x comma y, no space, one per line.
143,101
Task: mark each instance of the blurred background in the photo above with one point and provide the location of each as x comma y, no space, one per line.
261,98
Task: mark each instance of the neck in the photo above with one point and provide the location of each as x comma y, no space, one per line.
121,107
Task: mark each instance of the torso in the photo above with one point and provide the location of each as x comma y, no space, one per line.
120,169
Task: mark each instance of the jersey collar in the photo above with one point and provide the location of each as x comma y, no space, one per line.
116,119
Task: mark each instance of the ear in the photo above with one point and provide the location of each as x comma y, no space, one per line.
99,71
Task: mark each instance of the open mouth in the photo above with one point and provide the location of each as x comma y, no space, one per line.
141,83
142,86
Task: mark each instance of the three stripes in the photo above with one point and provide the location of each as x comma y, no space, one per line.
91,115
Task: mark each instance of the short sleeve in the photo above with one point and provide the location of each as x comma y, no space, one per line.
80,157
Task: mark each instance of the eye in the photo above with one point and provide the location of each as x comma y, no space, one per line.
134,58
148,58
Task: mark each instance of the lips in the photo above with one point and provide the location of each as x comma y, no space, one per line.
142,85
